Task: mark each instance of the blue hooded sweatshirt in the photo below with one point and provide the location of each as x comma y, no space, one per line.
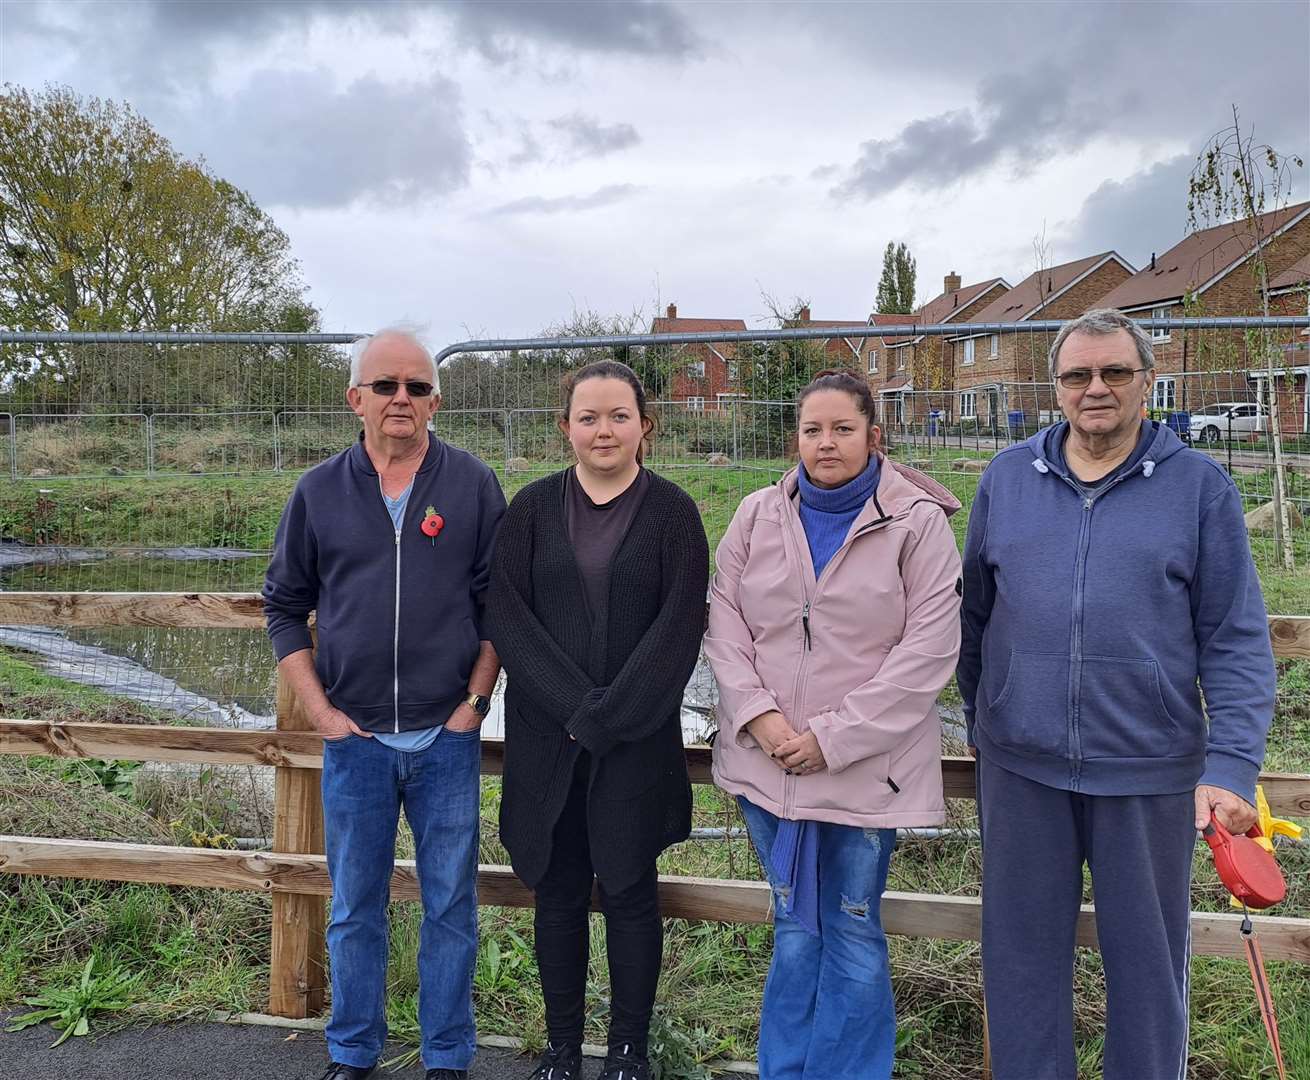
1093,622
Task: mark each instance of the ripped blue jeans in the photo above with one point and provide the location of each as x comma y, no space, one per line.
828,1008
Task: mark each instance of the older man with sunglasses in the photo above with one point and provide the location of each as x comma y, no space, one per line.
390,543
1108,584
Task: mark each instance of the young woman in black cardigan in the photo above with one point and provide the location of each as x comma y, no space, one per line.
596,609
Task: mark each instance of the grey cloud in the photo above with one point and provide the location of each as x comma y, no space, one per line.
529,151
588,137
1188,61
495,27
538,204
294,138
635,27
1020,119
1142,213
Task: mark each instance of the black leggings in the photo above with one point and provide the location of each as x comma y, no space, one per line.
634,935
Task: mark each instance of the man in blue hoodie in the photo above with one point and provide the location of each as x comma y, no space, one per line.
1108,584
389,542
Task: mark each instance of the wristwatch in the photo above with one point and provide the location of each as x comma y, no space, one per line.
479,703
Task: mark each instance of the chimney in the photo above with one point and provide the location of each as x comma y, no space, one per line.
804,314
1153,260
671,311
952,282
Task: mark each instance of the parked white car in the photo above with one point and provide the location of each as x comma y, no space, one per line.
1240,419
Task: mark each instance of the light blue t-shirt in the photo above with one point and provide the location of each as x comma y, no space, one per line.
409,741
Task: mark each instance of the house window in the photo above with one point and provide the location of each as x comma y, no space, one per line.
696,369
734,371
1158,333
696,404
873,361
724,401
900,359
969,405
968,350
1165,396
996,346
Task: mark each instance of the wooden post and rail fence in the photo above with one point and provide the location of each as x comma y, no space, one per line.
295,874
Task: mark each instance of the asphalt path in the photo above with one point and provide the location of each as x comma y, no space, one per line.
205,1052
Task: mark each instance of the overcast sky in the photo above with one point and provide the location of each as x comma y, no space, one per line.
487,167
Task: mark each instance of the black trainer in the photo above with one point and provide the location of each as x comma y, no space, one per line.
347,1072
559,1063
446,1074
625,1064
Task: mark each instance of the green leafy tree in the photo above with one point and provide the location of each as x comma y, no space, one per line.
897,285
104,226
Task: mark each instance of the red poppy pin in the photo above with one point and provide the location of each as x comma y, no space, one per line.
432,524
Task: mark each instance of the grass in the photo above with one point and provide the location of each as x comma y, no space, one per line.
195,950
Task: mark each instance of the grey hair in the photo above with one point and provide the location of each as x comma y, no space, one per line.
360,346
1104,321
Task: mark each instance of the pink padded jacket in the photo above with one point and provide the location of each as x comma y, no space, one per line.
857,657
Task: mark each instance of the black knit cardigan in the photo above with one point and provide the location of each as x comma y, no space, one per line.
615,686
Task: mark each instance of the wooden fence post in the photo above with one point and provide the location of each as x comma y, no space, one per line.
297,971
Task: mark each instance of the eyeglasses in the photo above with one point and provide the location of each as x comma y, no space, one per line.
1081,378
388,387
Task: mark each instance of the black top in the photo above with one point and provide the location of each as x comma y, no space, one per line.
614,684
596,530
399,618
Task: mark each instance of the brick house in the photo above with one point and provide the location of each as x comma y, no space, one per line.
1289,294
997,373
842,351
704,375
912,365
1210,273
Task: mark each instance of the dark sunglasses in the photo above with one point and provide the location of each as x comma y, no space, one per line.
388,387
1081,378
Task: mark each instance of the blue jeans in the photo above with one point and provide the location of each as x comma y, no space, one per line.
365,784
828,1007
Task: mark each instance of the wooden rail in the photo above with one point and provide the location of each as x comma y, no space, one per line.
245,611
953,918
1288,793
295,872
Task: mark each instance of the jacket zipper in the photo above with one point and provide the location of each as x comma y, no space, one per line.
789,782
1076,631
395,631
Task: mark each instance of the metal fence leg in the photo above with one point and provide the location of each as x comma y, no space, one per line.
13,447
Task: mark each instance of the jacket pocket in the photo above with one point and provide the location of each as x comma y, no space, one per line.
1121,711
438,671
1030,715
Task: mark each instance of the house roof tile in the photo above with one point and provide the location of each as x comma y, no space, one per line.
1037,289
1295,275
1199,259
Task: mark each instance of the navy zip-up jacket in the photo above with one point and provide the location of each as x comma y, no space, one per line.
1090,620
399,614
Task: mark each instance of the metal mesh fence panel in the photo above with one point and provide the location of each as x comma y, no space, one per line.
162,463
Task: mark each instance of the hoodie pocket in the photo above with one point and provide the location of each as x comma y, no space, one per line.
1031,713
1121,711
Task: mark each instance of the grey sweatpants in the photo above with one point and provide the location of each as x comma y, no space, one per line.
1139,848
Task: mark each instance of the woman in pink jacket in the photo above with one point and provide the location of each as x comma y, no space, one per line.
834,624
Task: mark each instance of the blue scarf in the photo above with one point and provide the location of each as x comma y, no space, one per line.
828,513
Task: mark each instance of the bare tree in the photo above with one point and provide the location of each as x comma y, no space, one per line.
1239,180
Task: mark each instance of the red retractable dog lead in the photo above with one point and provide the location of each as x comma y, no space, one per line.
1250,873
